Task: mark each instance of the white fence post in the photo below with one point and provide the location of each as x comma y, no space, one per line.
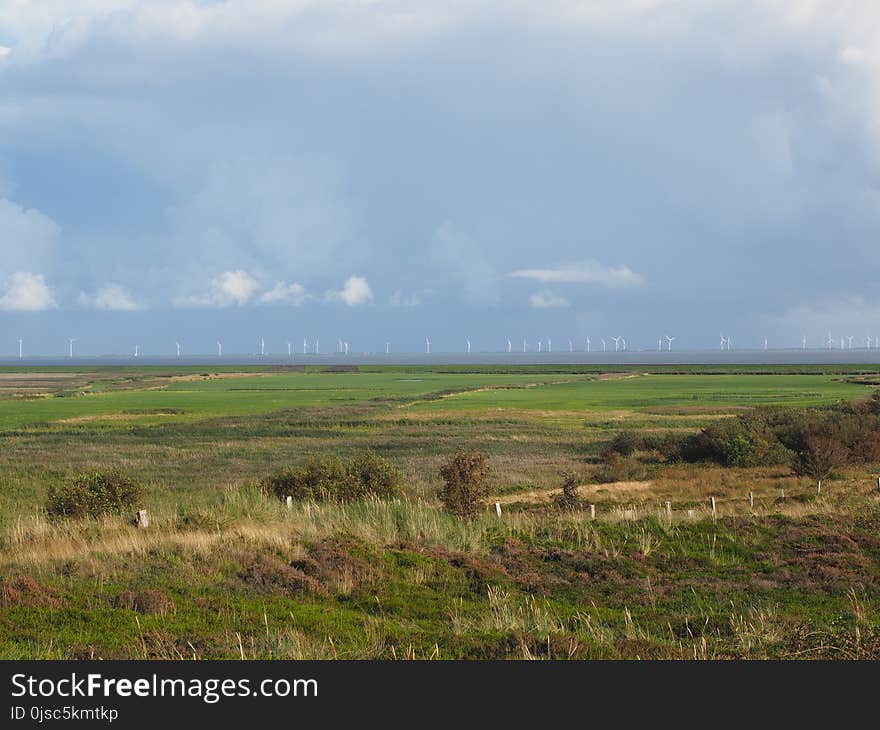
142,519
751,500
592,511
498,508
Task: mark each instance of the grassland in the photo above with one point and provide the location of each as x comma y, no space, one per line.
226,572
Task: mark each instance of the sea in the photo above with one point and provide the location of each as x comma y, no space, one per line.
642,357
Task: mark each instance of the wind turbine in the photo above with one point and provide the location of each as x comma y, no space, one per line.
830,342
305,346
178,348
868,343
623,340
804,342
669,341
604,347
570,346
659,344
137,350
262,346
722,341
20,346
70,341
345,343
219,349
549,344
387,348
588,344
509,346
525,346
616,343
317,346
468,346
540,345
339,344
427,346
765,344
850,339
289,348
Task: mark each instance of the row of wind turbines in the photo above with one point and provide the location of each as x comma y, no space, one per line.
541,345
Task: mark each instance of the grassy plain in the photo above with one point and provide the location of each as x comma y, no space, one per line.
226,572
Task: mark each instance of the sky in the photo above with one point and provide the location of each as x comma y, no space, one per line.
382,171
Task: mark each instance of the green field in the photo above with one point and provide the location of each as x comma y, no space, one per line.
224,571
148,399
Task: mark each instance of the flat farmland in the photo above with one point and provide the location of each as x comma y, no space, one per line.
226,571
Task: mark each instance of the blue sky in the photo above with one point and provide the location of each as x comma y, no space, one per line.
379,171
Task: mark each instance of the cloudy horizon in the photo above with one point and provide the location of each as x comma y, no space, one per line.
183,170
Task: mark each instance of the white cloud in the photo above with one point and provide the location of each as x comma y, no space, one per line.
110,297
231,288
546,300
355,291
27,238
401,299
589,272
294,293
27,292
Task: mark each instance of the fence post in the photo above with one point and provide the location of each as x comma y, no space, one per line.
142,519
592,511
712,502
289,501
690,514
751,500
668,508
781,494
498,508
819,487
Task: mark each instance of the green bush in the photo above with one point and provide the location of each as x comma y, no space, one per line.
329,478
743,441
375,474
93,495
465,478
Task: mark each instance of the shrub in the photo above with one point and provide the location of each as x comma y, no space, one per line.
821,456
568,498
375,474
329,478
617,468
465,479
743,441
626,443
93,495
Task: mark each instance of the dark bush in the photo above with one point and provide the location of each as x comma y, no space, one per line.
568,498
742,441
329,478
821,456
93,495
626,443
617,468
465,479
